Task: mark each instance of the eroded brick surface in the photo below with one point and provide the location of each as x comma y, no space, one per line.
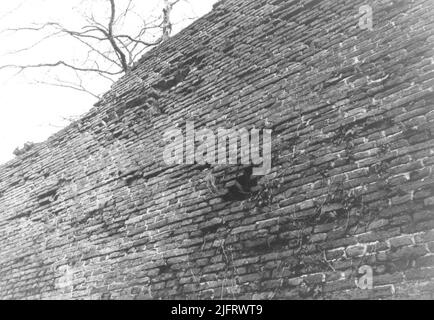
95,213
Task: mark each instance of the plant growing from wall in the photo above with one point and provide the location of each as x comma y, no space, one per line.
264,195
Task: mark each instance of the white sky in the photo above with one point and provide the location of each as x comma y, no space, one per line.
32,112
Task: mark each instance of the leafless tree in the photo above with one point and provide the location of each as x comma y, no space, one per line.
111,49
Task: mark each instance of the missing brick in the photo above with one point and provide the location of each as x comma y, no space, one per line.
242,187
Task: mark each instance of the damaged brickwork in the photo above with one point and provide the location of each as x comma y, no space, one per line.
95,213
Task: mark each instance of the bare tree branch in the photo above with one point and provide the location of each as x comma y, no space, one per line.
57,64
110,49
112,40
64,84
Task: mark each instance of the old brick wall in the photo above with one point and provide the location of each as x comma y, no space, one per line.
95,213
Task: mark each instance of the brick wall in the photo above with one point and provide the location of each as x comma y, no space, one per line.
95,213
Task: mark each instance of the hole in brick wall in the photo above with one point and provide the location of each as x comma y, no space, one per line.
164,269
25,214
378,123
129,180
171,77
175,79
228,46
242,187
106,296
47,197
136,102
211,229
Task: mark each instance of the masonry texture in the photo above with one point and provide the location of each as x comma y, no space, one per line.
95,213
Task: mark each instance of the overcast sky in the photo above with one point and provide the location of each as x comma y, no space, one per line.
32,112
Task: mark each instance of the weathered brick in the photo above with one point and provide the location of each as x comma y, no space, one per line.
400,241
